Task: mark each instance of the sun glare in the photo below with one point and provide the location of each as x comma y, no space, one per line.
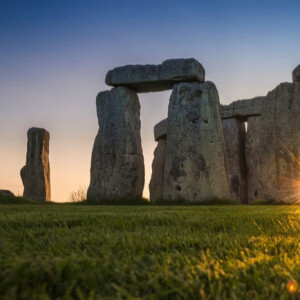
291,182
292,286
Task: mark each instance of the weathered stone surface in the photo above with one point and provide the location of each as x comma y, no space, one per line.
6,193
273,146
36,173
157,177
161,130
242,109
195,166
235,141
152,78
117,166
296,74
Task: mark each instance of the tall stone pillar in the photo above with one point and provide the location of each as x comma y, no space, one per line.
273,147
117,166
157,178
158,165
36,173
195,167
235,141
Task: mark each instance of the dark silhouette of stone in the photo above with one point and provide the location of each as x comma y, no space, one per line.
235,141
157,178
161,130
6,193
117,166
36,173
273,146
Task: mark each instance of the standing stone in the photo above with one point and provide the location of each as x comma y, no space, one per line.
273,146
117,166
235,141
195,167
36,173
157,178
255,186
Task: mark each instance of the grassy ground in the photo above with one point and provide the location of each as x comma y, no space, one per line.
152,252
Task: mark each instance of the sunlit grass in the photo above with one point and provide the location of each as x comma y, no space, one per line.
192,252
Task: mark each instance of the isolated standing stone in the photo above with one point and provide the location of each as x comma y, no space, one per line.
235,141
36,173
153,78
157,178
273,146
195,167
117,166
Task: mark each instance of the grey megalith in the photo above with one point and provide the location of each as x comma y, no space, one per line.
36,173
117,166
195,166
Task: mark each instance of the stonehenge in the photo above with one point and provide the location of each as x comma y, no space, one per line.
263,162
247,150
35,174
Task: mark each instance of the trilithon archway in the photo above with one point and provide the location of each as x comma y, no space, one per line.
195,163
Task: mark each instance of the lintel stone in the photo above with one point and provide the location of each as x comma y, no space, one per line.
154,78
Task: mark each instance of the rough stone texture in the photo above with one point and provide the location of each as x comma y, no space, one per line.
117,166
36,173
296,74
242,109
195,166
161,130
157,178
6,193
235,141
273,146
153,78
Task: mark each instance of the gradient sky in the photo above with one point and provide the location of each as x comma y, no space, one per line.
54,56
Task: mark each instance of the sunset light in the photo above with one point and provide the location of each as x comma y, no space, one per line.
150,149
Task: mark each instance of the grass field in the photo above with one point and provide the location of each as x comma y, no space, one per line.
60,251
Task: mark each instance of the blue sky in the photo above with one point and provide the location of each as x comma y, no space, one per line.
55,54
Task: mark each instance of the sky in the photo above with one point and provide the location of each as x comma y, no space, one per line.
54,55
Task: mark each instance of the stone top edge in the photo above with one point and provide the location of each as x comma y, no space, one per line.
157,65
160,129
37,129
257,99
296,74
